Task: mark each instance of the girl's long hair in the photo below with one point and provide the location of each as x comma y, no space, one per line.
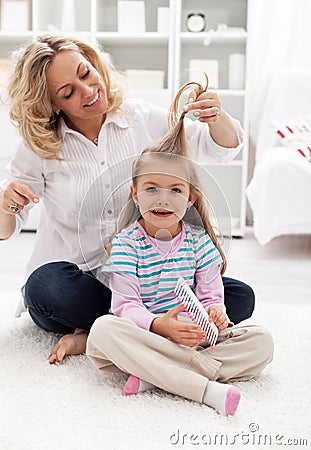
30,104
173,146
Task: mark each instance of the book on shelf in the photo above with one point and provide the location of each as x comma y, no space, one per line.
5,66
15,15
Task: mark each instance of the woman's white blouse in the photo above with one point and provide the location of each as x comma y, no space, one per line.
82,196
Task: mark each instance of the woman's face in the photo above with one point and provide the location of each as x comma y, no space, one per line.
76,88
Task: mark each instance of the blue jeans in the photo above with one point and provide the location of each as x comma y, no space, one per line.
61,297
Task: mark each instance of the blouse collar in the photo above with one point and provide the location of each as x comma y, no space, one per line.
118,118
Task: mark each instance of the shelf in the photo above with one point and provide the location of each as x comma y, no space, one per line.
170,52
25,36
129,39
228,226
230,92
235,222
234,163
15,37
213,37
82,34
160,97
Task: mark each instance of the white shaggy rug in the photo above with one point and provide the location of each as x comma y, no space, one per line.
73,406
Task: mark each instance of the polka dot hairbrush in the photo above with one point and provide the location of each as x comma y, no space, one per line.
196,311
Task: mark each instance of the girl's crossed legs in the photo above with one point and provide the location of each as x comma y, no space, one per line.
61,297
241,353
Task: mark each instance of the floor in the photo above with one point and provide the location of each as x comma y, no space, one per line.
42,402
278,272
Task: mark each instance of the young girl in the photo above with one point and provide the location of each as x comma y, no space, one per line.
149,335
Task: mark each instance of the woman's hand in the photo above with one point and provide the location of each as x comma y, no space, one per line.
217,316
15,197
207,108
184,333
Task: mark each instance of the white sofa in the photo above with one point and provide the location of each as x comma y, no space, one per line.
279,193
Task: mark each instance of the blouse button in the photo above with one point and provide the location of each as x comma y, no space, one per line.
102,163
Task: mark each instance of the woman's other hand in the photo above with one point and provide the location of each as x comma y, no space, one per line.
206,107
15,197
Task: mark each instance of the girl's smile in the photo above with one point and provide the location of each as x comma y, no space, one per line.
162,212
163,196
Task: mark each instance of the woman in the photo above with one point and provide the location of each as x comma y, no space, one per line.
76,127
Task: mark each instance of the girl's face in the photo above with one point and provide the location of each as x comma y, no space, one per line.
163,196
76,88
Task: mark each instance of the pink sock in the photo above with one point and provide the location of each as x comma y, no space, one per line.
222,397
135,385
232,400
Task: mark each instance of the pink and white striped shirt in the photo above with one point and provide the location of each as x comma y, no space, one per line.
143,272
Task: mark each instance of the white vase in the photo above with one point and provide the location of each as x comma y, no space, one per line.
68,17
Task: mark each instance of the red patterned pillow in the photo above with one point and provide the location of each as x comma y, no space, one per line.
297,136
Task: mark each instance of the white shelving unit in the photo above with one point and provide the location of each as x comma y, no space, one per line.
150,50
97,21
225,34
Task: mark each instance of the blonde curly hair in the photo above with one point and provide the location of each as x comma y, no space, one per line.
30,104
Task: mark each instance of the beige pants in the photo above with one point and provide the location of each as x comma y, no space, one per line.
241,353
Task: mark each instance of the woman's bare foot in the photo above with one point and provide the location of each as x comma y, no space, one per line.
70,344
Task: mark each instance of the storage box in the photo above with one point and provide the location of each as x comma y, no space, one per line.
145,79
163,19
68,17
5,68
131,17
210,66
15,15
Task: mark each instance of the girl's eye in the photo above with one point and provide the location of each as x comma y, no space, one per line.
176,190
152,190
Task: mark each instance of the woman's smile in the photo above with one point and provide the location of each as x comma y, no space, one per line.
76,89
94,101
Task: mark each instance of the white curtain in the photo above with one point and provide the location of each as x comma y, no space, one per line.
279,36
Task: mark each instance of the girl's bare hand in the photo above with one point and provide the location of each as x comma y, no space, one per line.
217,316
181,332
